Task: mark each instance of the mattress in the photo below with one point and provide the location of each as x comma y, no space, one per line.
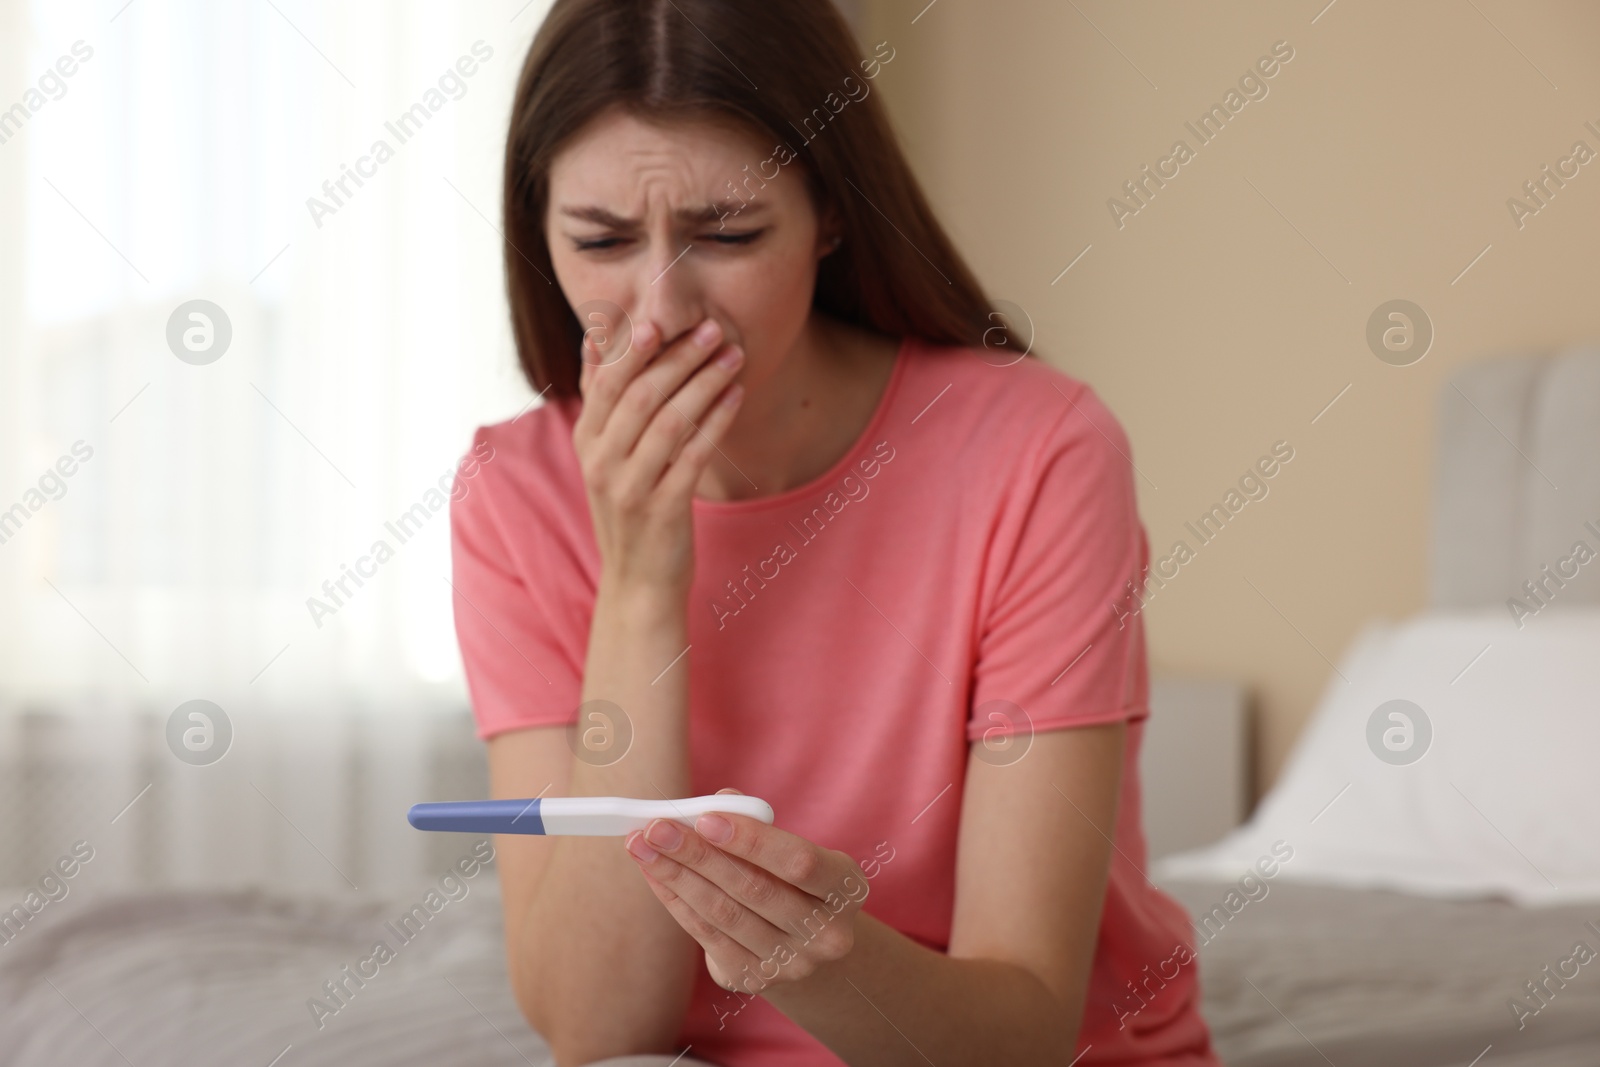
1302,976
1311,975
175,979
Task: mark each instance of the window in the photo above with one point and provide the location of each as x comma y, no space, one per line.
161,153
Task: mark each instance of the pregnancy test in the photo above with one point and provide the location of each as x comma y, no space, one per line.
582,816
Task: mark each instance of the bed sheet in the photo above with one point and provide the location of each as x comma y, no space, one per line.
1307,975
177,979
1300,976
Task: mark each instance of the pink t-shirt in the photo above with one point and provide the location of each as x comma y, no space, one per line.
970,555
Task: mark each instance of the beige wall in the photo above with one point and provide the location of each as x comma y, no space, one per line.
1232,308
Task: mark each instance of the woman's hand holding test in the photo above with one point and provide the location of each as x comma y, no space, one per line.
767,905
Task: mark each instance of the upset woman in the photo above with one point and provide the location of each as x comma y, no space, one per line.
799,516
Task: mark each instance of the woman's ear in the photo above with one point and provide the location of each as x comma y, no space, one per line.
830,233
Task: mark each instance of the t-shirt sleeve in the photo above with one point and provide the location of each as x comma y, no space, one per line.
1063,637
521,648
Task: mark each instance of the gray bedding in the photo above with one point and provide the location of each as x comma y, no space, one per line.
179,979
1304,976
1309,975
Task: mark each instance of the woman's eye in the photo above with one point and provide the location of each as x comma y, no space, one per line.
601,244
736,238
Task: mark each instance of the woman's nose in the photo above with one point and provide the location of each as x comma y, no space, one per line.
669,296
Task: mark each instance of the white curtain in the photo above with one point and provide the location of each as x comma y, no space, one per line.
300,802
208,501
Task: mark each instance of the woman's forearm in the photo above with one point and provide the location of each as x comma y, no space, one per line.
892,1001
604,970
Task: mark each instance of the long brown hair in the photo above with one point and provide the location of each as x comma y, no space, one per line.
896,272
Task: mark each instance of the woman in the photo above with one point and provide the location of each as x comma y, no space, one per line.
795,520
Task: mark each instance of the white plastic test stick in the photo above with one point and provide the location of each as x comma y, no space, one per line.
583,816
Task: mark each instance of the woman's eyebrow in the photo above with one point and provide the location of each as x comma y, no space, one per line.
693,216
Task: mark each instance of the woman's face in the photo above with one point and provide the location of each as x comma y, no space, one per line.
622,227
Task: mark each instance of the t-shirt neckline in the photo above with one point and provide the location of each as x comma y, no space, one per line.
833,473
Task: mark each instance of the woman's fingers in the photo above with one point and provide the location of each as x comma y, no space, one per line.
652,409
717,919
628,392
684,416
717,390
756,891
606,374
699,443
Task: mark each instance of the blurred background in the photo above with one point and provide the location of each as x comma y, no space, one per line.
1410,192
176,163
1223,315
1229,312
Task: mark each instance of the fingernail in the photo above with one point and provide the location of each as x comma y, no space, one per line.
708,332
714,827
664,833
641,851
731,357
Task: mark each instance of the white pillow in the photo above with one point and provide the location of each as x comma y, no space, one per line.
1505,797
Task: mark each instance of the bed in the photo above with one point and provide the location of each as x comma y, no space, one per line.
1442,906
222,903
1369,978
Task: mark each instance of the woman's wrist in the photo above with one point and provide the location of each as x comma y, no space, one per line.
637,633
635,603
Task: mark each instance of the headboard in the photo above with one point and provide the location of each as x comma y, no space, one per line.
1517,481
